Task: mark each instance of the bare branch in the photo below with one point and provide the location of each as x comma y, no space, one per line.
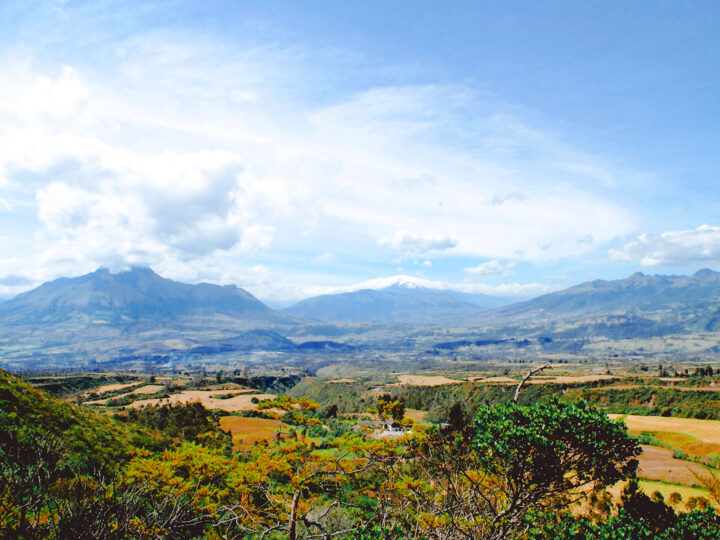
526,378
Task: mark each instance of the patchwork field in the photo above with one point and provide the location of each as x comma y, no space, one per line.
249,430
111,387
423,380
241,402
659,464
694,437
569,379
651,486
493,380
147,389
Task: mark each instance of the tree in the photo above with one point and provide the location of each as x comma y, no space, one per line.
517,460
389,408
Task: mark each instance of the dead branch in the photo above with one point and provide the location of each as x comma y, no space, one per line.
526,378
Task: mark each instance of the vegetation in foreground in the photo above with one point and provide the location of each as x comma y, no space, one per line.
513,471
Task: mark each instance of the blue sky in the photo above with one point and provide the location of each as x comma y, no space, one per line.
298,148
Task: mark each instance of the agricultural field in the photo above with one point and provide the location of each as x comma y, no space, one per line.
666,489
241,402
423,380
246,430
693,437
659,464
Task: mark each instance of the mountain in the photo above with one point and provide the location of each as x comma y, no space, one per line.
637,294
402,302
139,294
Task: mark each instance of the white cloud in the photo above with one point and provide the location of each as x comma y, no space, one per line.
408,242
500,199
426,263
160,157
493,268
323,258
672,248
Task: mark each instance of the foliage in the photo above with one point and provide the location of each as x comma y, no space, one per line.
189,421
165,472
389,408
488,479
695,525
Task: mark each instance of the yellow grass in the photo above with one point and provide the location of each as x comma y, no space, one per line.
111,387
706,431
574,379
415,415
423,380
241,402
147,389
335,381
659,464
493,380
223,386
249,430
651,486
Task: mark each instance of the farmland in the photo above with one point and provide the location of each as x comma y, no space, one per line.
240,402
246,430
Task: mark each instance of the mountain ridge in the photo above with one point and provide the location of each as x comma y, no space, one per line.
636,292
134,295
394,304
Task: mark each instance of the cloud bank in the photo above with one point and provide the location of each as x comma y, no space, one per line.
673,248
236,169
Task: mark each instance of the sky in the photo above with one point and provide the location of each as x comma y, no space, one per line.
302,148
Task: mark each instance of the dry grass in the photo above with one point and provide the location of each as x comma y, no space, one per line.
416,415
335,381
574,379
241,402
111,387
651,486
223,386
423,380
493,380
703,431
148,389
659,464
249,430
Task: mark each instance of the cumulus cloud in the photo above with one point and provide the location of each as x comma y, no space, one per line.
150,154
418,243
493,268
672,248
147,206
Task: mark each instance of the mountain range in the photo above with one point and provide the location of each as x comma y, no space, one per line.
137,314
403,302
636,294
102,297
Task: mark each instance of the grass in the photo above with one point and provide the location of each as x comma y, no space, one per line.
247,430
658,464
694,437
666,489
240,402
416,415
423,380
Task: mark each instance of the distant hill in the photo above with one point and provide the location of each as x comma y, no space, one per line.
139,294
403,302
637,294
